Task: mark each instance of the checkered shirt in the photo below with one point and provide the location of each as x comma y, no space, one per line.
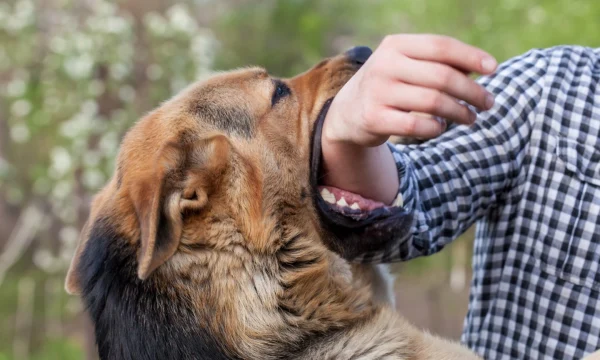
528,174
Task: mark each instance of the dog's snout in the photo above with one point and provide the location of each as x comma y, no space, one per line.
359,54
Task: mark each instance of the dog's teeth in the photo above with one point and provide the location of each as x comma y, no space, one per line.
399,202
328,196
342,202
355,206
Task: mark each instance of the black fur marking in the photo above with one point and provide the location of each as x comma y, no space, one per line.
134,319
296,265
303,194
164,231
232,120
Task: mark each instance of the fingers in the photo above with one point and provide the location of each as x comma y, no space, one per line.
442,49
394,122
441,77
415,98
410,74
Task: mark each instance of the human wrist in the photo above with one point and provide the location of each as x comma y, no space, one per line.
367,171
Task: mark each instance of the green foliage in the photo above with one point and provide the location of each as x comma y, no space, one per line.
286,37
505,28
60,349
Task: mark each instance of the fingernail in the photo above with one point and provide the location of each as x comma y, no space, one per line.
443,124
440,129
473,117
489,101
488,64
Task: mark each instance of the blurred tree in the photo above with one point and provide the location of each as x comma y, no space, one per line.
75,75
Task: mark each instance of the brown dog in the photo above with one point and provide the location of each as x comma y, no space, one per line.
206,243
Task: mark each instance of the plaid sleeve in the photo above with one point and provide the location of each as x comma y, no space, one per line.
450,182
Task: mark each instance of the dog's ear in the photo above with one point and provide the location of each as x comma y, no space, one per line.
178,182
185,176
73,281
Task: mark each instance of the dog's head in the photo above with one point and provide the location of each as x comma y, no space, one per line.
234,149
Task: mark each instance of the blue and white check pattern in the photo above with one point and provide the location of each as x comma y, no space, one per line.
528,173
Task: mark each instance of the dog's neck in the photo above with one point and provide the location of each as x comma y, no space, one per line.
270,303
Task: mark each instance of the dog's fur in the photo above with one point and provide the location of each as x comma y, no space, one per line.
206,244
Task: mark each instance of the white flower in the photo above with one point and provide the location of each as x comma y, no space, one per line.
61,161
68,236
83,42
61,190
105,7
116,25
58,44
155,23
16,88
109,143
118,71
19,133
44,260
180,19
20,108
93,179
89,107
126,93
77,126
79,67
24,8
22,17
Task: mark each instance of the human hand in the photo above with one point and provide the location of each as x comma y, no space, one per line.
406,74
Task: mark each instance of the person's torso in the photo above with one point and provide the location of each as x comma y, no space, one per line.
536,286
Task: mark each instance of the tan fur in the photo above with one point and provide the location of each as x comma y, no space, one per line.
242,226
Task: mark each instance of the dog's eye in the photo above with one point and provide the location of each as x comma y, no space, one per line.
281,91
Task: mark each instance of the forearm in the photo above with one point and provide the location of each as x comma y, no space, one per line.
367,171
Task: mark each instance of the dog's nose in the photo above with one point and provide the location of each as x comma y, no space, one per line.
359,54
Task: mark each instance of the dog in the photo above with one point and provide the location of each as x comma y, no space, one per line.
208,241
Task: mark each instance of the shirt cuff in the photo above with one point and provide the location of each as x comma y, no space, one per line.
408,191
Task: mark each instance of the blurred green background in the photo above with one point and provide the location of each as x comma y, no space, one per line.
75,74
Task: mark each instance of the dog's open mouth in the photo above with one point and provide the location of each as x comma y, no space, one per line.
348,202
358,226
